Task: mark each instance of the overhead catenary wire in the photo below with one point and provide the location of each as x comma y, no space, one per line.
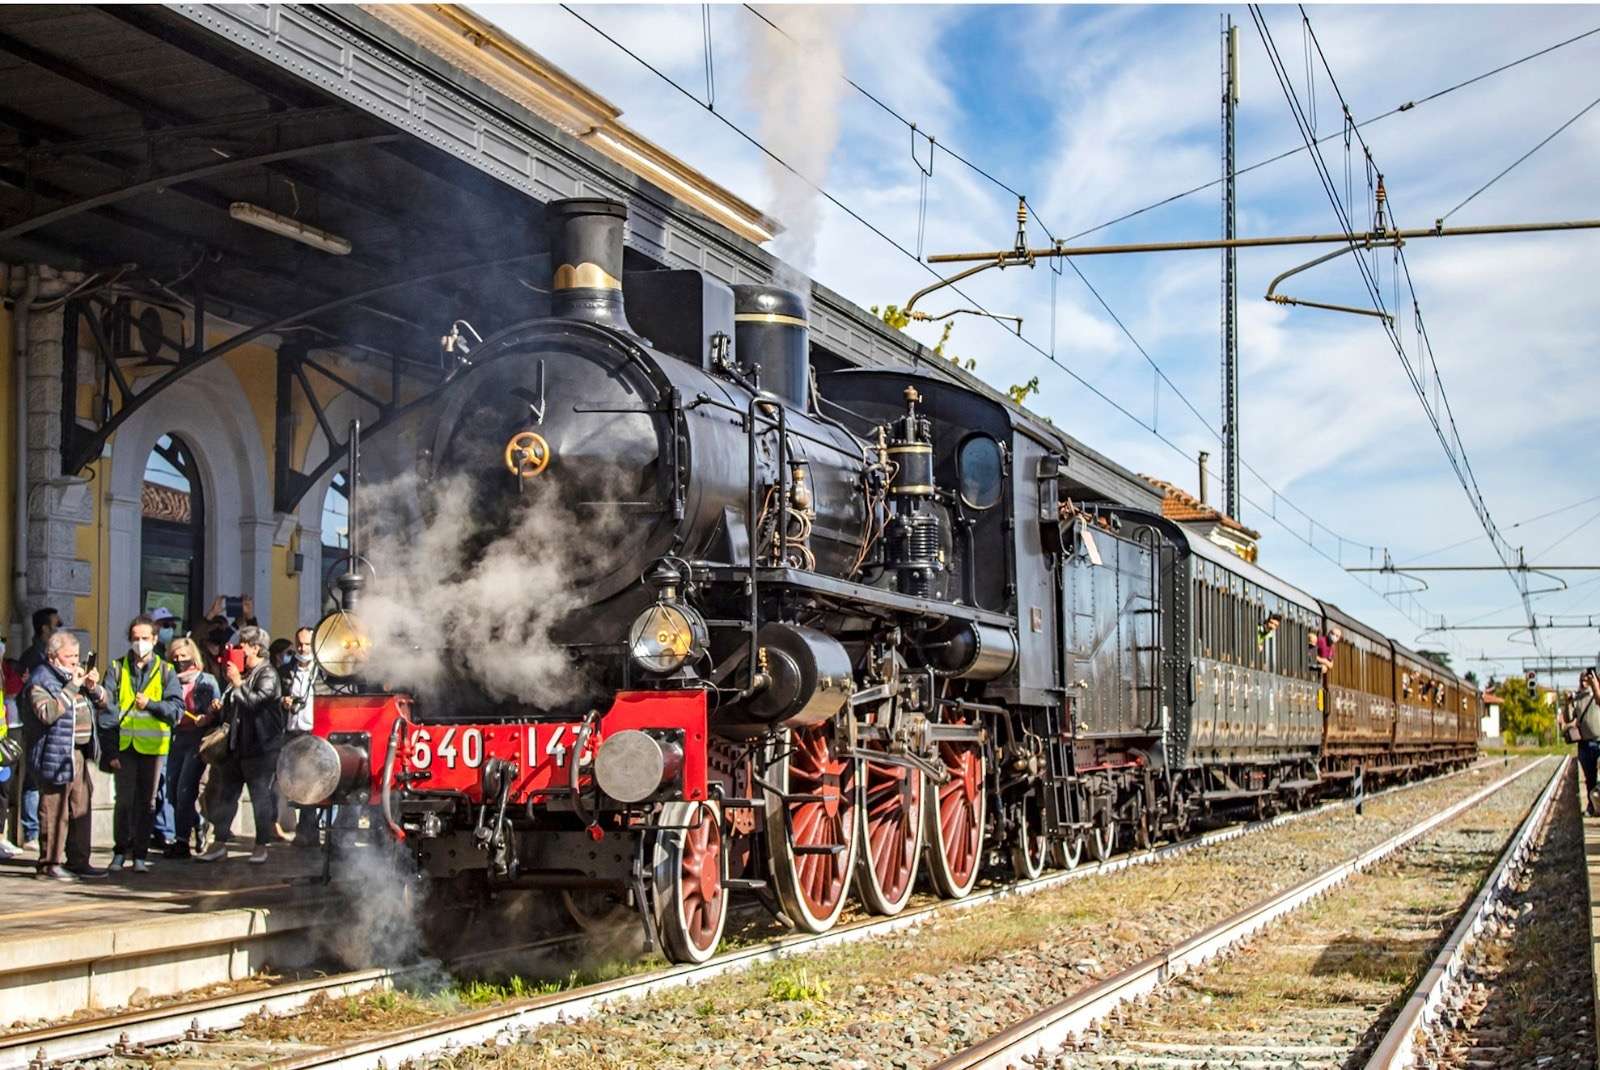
1587,108
1313,523
1456,453
1521,523
1160,373
1407,106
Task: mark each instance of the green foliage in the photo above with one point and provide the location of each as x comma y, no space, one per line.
1020,392
1440,658
1523,712
894,317
798,985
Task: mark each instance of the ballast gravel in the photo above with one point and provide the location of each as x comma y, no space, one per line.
912,998
1319,989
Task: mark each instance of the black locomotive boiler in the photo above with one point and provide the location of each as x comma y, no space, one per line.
840,632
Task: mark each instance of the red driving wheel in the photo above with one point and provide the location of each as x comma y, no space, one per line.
691,898
891,835
955,822
813,833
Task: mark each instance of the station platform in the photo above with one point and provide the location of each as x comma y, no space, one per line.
185,925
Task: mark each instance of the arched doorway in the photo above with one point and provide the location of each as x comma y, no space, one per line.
335,534
172,533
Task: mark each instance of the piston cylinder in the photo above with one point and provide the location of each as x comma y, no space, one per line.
809,678
973,651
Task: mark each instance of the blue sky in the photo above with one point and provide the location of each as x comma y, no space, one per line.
1094,111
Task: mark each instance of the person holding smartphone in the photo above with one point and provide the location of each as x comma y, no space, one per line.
1582,719
59,729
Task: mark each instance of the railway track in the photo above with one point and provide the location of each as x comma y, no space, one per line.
204,1026
1510,987
1277,1003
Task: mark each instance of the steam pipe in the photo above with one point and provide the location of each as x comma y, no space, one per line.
384,791
350,583
21,315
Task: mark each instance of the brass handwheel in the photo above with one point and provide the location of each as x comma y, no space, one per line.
527,454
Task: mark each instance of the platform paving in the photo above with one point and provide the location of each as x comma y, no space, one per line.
184,925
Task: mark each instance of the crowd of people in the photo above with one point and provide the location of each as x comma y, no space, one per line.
184,724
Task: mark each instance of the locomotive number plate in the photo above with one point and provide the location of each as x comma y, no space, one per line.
453,756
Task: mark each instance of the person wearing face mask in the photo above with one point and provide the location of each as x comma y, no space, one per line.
202,704
166,630
146,700
300,682
253,705
164,833
45,623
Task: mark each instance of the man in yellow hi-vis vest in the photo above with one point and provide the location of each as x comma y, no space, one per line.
144,695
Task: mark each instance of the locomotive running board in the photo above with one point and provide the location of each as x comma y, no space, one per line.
891,601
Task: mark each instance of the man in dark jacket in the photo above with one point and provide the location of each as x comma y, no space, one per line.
144,701
253,706
59,729
45,621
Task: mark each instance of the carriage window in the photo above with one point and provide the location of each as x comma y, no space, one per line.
978,467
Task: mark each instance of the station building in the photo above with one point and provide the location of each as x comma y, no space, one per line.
227,231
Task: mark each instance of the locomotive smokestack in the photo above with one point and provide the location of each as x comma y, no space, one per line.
586,260
771,333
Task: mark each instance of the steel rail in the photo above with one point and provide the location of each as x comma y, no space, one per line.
1398,1048
131,1031
497,1024
1053,1027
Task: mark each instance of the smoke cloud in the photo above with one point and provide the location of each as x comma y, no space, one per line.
797,86
451,596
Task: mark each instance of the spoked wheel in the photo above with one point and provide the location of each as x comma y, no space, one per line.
1103,834
891,835
812,833
1068,853
955,822
691,900
1030,849
1143,838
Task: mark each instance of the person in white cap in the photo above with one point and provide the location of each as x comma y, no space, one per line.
166,629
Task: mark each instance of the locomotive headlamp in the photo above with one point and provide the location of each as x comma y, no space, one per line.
666,636
340,645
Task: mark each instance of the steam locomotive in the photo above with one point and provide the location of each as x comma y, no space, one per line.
850,634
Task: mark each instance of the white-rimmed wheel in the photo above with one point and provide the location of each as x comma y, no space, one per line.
1103,832
891,835
811,826
691,898
1030,848
955,819
1067,853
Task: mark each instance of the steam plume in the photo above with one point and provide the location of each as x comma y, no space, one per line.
450,598
797,84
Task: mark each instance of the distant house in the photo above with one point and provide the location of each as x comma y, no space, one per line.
1491,717
1204,520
